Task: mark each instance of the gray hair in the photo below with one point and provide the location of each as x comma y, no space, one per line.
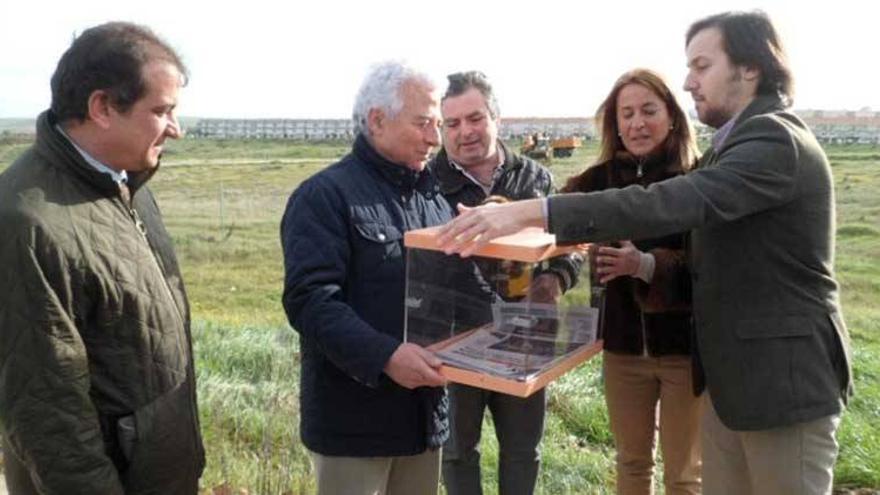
381,90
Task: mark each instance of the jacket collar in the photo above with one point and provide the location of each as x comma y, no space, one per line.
398,175
762,104
61,151
657,166
452,180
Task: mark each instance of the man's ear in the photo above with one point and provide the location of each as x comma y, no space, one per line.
375,121
99,108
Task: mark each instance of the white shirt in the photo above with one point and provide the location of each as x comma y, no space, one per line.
118,177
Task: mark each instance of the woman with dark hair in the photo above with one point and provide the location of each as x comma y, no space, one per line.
646,138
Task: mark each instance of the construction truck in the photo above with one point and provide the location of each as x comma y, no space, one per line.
564,147
540,147
536,146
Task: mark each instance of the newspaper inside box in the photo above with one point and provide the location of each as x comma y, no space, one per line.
474,313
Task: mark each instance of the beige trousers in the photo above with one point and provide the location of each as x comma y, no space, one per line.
403,475
643,394
793,460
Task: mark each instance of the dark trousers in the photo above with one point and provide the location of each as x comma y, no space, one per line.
519,425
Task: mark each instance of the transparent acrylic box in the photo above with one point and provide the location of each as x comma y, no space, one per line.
473,313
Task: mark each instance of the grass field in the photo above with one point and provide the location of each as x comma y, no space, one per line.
222,201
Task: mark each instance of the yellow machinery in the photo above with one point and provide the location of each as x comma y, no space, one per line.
540,147
564,147
536,146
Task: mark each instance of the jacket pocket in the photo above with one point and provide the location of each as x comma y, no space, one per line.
784,371
775,328
842,358
378,242
165,457
378,232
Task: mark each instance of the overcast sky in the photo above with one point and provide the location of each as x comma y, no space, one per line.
298,59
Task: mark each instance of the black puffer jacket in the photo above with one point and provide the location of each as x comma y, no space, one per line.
639,316
344,285
520,178
94,328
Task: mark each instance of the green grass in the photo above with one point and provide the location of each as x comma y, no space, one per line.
11,147
858,268
234,149
222,202
248,385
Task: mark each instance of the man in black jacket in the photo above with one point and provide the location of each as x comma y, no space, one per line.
474,165
373,414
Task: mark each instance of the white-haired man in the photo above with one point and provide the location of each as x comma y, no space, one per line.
373,411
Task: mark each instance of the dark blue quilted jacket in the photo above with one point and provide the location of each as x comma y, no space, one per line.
344,263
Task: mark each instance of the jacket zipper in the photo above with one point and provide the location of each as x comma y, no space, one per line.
404,203
141,228
640,172
139,224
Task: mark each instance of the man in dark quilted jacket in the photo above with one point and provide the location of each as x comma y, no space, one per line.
97,387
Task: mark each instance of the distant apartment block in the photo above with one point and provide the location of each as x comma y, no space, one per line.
829,126
305,129
844,127
552,127
319,129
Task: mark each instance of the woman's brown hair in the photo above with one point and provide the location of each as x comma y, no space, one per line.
680,145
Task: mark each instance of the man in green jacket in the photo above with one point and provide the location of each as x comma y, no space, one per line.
760,207
97,387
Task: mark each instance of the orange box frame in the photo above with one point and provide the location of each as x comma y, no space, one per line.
530,245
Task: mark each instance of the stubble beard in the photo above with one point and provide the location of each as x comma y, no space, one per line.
717,117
